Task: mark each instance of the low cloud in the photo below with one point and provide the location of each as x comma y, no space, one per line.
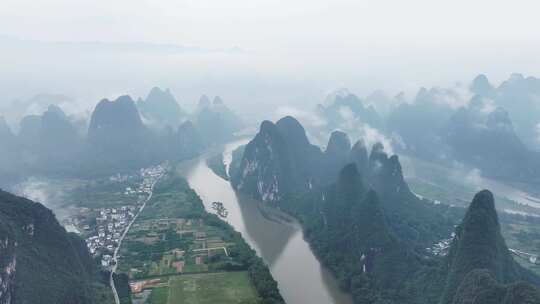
475,179
356,129
316,127
488,106
307,118
467,176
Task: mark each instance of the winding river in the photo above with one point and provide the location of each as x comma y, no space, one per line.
277,238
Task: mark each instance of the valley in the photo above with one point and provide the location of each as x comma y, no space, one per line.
519,211
276,237
151,227
159,264
269,152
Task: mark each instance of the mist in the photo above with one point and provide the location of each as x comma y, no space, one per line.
257,55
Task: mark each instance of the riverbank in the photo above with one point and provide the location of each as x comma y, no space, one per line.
300,276
176,250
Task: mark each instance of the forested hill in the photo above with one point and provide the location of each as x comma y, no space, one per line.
280,162
40,262
351,233
366,225
480,263
120,136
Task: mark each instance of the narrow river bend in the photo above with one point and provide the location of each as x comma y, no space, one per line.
277,239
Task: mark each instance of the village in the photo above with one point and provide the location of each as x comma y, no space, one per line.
104,227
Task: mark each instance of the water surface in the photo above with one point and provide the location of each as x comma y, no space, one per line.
277,238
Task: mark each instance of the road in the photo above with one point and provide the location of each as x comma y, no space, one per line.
115,255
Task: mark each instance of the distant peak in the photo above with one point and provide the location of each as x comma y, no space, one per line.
114,111
156,90
204,101
55,110
339,142
266,126
217,101
158,94
359,145
421,93
481,78
125,99
333,96
292,129
481,85
290,123
483,200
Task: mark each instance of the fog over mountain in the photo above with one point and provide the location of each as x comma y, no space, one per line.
129,47
269,152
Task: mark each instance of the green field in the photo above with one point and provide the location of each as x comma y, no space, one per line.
211,288
182,254
103,193
160,295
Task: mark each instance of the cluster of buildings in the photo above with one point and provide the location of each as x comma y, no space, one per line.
441,248
111,223
149,175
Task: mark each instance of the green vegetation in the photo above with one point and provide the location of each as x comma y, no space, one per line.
449,185
480,245
175,243
224,287
346,226
159,295
103,192
216,164
37,246
368,227
121,283
520,232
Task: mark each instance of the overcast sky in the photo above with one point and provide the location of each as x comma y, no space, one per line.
302,48
271,24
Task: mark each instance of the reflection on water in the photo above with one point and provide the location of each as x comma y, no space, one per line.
269,233
276,238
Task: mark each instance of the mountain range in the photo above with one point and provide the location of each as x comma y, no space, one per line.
121,135
161,109
497,125
366,225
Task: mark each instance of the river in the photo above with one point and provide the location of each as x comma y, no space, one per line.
458,180
277,238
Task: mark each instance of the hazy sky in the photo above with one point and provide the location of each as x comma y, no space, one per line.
292,50
275,25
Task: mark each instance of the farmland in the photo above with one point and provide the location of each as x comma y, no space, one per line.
176,252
